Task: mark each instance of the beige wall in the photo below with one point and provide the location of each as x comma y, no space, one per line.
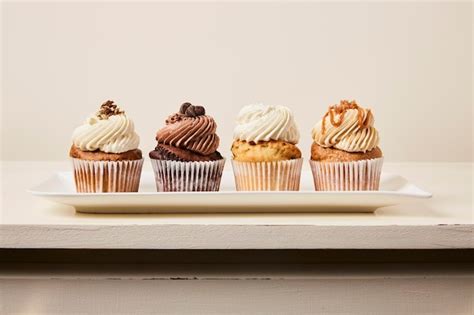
411,63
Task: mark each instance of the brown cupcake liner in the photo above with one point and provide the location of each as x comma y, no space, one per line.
267,176
347,176
187,176
107,176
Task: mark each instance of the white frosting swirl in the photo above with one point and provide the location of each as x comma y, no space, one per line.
116,134
264,123
349,136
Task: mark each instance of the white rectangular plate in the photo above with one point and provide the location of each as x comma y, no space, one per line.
394,190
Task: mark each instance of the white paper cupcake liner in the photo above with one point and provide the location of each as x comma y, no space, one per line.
347,176
107,176
187,176
263,176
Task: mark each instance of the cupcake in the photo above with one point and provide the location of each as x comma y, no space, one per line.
186,156
345,153
105,152
264,151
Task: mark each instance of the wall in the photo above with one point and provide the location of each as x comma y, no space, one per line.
410,62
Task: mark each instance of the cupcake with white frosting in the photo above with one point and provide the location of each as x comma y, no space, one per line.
105,152
264,151
345,154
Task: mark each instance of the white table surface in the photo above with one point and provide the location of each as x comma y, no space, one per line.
445,221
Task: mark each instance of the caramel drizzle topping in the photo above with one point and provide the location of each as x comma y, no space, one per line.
341,110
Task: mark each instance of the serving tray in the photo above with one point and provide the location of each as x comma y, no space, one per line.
394,189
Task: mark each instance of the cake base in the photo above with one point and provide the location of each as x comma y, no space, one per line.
264,151
97,155
319,153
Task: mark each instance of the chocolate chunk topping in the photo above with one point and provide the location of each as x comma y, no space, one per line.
194,111
190,110
199,110
184,107
108,109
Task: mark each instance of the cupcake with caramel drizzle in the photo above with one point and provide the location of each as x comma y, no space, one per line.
345,138
186,157
345,133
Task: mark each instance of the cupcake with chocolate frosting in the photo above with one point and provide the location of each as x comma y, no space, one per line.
186,157
265,155
345,154
105,152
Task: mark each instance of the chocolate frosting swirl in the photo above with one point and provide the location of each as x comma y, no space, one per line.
190,129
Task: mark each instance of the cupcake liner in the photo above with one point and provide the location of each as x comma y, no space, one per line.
347,176
187,176
262,176
107,176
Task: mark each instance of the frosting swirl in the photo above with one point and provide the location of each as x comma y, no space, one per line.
190,129
109,130
264,123
347,127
